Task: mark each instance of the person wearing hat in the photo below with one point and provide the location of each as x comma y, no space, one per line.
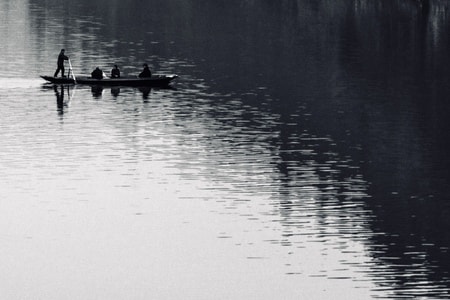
61,59
146,72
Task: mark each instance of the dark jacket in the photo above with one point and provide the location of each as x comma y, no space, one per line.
145,73
115,73
61,59
97,73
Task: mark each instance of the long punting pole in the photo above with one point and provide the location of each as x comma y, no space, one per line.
71,69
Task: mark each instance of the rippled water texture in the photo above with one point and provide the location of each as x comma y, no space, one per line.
302,153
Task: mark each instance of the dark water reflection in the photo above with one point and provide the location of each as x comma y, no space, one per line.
319,127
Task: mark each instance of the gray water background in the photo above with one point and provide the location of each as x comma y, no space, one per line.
302,154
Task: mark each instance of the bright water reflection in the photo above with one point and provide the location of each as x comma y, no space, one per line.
322,183
92,167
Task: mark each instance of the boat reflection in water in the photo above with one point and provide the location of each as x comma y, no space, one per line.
65,92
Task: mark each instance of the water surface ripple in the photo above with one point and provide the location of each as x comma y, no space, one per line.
292,161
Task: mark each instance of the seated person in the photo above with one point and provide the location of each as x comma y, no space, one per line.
97,73
115,72
146,72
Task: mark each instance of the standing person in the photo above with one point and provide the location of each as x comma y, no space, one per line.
115,72
146,72
61,59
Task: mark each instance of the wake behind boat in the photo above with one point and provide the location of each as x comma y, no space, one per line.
153,81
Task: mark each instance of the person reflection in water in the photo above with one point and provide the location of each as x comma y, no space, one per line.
115,72
60,99
146,72
97,91
61,58
145,92
115,91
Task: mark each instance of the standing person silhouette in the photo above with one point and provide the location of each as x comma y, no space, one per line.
61,59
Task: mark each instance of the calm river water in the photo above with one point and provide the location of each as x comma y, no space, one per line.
302,154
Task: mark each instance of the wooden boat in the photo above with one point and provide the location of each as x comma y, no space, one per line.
154,81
